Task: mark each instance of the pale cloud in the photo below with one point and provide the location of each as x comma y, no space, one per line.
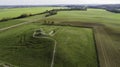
41,2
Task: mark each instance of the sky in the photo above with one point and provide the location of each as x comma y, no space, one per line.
49,2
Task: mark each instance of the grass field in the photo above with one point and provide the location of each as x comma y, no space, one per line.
91,15
109,39
13,53
14,12
75,46
109,19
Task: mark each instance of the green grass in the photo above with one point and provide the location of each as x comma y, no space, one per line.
17,21
9,23
91,15
109,19
14,53
75,48
14,12
69,52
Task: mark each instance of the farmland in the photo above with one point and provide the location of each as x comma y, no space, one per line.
94,42
15,52
13,12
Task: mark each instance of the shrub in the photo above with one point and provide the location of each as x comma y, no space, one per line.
24,15
6,19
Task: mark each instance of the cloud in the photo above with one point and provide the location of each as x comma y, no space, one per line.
41,2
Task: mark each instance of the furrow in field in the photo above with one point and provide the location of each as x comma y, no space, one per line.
106,49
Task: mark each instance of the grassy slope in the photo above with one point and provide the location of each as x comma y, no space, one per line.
17,21
109,19
13,53
91,15
35,57
13,12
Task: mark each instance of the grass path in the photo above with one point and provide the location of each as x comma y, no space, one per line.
16,25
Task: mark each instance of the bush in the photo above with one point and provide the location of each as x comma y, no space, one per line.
6,19
24,15
51,13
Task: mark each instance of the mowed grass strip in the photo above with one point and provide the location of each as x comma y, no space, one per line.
75,48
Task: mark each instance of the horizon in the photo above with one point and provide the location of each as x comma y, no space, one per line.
56,2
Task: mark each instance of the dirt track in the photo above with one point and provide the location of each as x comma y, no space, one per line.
108,56
6,28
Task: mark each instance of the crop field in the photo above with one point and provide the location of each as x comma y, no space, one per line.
83,38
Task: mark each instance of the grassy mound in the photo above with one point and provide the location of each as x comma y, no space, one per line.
25,51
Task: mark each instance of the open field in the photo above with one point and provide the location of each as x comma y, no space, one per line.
108,54
91,15
75,46
14,12
12,51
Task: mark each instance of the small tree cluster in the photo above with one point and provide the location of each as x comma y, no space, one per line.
52,12
48,22
24,15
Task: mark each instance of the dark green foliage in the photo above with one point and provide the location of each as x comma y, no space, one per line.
51,12
24,15
114,10
6,19
48,22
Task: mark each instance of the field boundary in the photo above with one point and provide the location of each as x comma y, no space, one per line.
97,55
104,48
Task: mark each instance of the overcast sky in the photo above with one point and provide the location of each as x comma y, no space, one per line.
46,2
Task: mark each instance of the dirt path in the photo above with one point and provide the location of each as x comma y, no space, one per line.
13,26
53,56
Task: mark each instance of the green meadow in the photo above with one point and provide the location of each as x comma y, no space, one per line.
75,45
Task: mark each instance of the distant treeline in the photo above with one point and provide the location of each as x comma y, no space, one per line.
54,11
114,10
